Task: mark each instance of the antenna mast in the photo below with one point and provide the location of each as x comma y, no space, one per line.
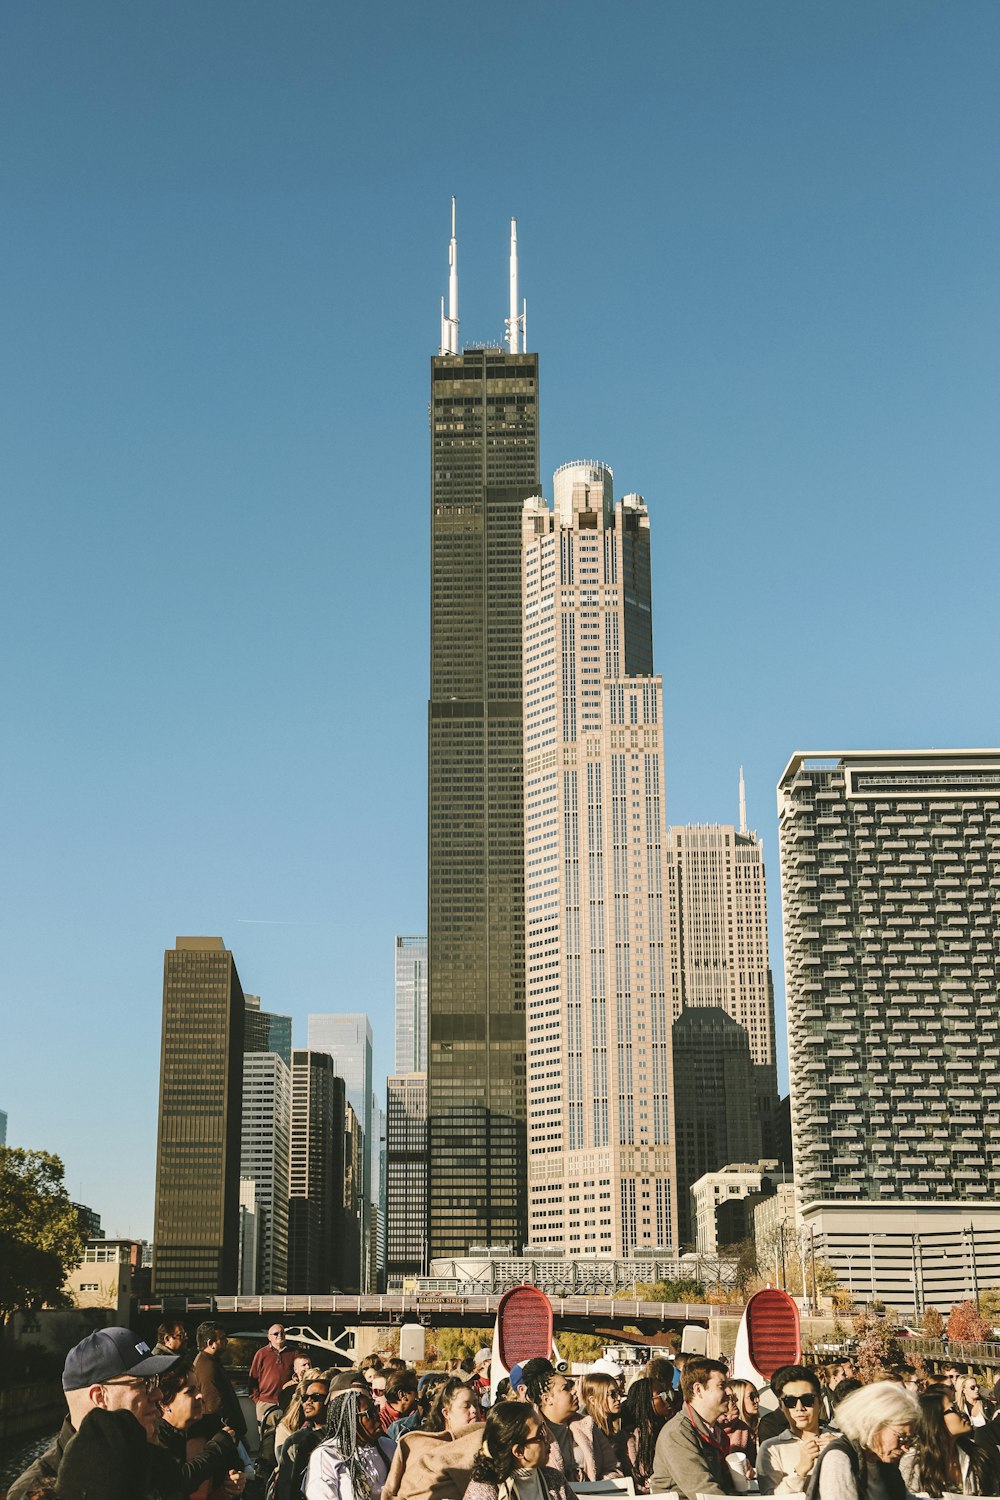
517,323
743,803
449,323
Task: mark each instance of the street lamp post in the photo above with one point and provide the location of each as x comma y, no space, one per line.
918,1297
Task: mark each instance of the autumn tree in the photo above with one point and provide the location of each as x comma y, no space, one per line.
878,1347
40,1238
966,1324
665,1291
932,1324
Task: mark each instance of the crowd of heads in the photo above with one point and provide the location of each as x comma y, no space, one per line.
933,1423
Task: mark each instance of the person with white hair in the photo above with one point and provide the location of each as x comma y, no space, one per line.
876,1425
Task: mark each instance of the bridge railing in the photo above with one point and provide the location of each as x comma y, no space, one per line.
393,1306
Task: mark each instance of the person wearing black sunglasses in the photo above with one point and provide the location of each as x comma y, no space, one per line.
298,1446
785,1462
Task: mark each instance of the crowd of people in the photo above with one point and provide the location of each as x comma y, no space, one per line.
166,1424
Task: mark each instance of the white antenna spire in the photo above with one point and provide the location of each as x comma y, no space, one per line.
513,322
453,286
743,803
449,321
517,323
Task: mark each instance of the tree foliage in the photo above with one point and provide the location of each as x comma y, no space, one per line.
683,1290
40,1238
932,1324
967,1325
878,1347
456,1343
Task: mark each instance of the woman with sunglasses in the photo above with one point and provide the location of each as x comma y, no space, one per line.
511,1464
786,1461
307,1418
969,1398
944,1458
352,1461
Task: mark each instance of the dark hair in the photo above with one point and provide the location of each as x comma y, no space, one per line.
174,1380
536,1375
506,1428
661,1369
400,1380
207,1334
936,1449
841,1389
342,1427
696,1372
166,1329
443,1394
639,1416
789,1373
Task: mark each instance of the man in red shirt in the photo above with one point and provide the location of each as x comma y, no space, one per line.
271,1370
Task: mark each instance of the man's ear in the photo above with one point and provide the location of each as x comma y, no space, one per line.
98,1395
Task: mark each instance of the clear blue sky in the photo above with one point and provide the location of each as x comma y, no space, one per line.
759,243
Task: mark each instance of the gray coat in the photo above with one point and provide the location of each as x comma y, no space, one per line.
687,1462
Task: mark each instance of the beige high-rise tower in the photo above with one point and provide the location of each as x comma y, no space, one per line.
600,1154
718,920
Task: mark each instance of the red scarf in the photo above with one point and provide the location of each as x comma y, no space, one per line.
712,1437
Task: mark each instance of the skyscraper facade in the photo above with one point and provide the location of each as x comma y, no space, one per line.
484,464
717,904
197,1215
348,1040
267,1100
717,1122
265,1032
411,1005
889,869
600,1147
353,1213
315,1205
406,1177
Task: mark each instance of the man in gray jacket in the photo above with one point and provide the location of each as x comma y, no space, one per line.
691,1449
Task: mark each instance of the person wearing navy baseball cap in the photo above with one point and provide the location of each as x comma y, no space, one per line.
109,1370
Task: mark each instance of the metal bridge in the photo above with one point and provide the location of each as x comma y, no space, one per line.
444,1310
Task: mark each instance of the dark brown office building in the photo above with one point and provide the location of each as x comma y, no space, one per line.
196,1230
484,465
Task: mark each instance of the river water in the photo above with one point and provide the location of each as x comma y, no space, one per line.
16,1456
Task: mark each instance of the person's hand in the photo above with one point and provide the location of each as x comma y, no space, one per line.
809,1448
236,1482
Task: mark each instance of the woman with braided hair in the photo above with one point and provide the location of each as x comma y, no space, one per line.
352,1461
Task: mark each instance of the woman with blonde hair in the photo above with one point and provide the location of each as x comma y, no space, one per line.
876,1425
595,1433
739,1422
969,1398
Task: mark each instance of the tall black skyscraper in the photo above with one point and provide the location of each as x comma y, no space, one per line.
484,465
